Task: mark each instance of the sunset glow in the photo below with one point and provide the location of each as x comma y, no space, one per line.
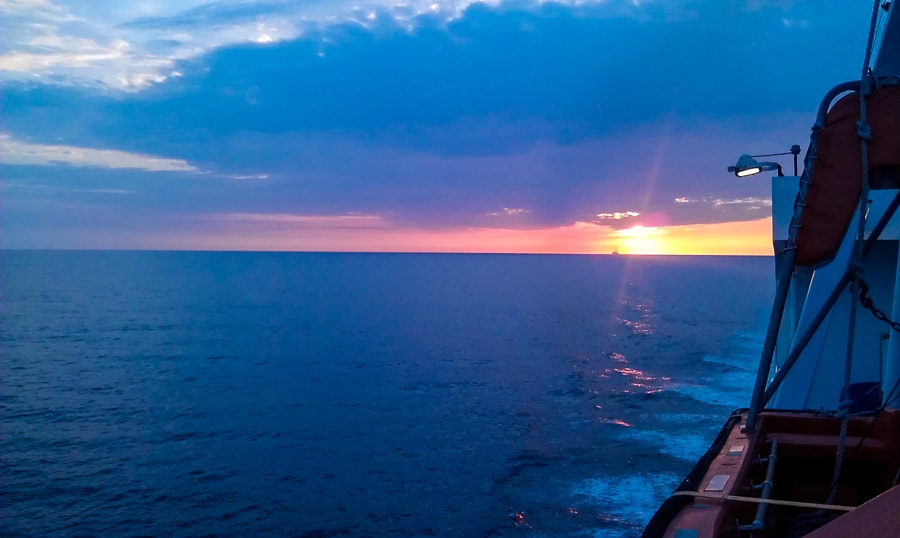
642,240
731,238
736,238
449,126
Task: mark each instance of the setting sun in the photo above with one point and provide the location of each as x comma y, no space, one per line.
642,240
745,238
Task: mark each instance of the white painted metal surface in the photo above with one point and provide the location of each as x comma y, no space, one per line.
816,379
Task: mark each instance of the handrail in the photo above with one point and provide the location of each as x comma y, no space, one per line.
759,521
755,500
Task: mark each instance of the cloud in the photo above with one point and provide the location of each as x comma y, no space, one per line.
509,212
99,44
55,189
250,176
719,209
17,152
305,221
523,115
131,45
753,202
494,79
617,215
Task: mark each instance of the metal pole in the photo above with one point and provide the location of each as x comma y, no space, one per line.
759,522
765,363
795,151
882,224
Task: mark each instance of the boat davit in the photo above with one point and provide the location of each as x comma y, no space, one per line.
817,453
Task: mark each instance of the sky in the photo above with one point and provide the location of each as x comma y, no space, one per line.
410,126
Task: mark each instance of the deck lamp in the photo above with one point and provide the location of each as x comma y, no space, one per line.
747,165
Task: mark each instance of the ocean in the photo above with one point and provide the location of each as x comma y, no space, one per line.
327,394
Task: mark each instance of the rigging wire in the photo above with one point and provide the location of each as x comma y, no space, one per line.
881,25
772,154
864,132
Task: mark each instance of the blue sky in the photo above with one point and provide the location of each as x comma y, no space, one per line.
351,125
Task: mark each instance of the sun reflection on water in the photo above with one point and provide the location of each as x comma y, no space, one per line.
622,379
640,379
637,327
635,310
615,421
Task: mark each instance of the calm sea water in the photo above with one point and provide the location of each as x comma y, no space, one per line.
257,394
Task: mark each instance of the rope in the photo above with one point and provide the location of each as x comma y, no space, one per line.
754,500
843,410
844,407
872,27
864,132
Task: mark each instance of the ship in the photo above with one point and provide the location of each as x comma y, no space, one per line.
817,452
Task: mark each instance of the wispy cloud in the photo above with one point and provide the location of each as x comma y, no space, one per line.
509,212
504,115
305,221
50,189
129,46
258,177
617,215
753,202
17,152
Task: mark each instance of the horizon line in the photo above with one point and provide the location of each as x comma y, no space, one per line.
472,253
